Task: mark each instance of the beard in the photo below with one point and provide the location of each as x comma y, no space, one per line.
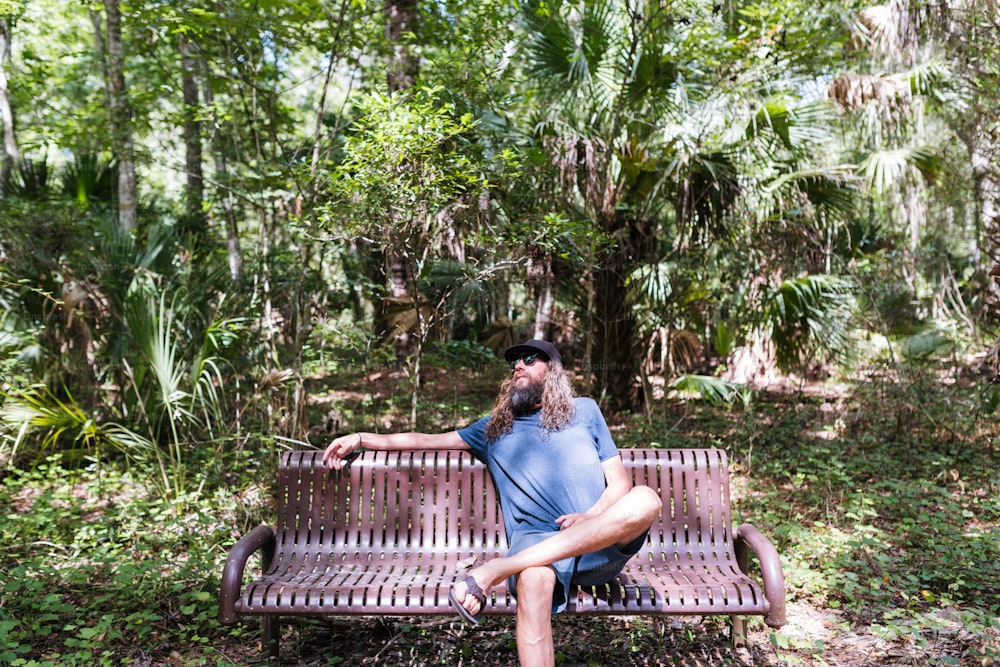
526,399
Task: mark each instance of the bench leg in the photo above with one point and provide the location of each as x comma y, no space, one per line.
738,632
270,630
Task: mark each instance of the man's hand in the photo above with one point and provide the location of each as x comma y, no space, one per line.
567,520
340,449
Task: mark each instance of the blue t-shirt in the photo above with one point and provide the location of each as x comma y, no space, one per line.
541,475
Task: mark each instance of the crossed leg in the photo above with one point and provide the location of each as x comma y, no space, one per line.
619,525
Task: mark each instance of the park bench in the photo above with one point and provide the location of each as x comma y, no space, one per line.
391,532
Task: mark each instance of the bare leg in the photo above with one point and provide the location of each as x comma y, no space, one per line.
535,647
621,523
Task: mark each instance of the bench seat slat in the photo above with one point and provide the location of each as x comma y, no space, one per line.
377,589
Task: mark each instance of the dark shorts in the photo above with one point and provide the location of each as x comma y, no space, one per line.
593,569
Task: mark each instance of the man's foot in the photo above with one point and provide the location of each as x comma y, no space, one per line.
472,589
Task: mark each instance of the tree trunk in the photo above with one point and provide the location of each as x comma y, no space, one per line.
195,194
11,155
227,200
986,194
986,191
333,56
268,324
401,18
614,364
544,310
113,58
541,279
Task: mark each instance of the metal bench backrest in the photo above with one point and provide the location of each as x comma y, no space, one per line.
443,504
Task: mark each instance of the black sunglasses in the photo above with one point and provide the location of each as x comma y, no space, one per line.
528,360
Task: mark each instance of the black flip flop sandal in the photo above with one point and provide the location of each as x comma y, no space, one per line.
475,591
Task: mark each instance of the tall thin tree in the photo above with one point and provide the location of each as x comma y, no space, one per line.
401,21
194,194
111,49
401,74
11,154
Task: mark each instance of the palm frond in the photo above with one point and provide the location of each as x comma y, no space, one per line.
855,91
575,49
206,378
711,192
797,127
876,28
808,313
773,115
884,169
723,339
925,345
653,70
151,324
28,180
552,47
120,259
833,188
711,389
597,26
932,79
128,441
650,283
89,179
38,409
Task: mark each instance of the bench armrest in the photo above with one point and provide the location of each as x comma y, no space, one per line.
260,538
748,539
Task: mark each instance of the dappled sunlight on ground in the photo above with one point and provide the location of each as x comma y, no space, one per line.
813,637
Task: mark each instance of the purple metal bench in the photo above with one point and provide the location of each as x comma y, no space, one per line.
392,532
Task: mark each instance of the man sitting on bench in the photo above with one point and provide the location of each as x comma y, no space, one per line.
571,513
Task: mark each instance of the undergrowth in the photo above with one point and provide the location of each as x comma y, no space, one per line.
882,501
97,570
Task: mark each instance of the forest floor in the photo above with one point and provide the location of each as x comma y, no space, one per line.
880,496
821,635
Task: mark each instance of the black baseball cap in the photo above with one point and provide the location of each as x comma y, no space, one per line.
532,346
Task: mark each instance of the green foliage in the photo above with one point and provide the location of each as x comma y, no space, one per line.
711,389
827,189
100,585
885,510
922,345
170,395
463,356
37,408
29,180
572,241
403,163
806,314
884,170
10,7
89,179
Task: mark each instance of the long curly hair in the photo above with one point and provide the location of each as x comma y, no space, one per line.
557,404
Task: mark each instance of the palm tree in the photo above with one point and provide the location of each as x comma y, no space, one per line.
600,72
664,153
